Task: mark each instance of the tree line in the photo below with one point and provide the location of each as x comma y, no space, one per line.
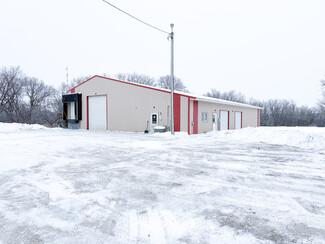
25,99
280,112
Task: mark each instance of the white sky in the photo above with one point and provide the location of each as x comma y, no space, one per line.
263,49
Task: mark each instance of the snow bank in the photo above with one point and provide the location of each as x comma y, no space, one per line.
302,137
15,127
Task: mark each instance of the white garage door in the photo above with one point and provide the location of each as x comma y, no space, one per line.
238,123
224,118
97,113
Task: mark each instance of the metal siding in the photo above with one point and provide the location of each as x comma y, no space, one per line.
129,106
249,115
184,114
204,126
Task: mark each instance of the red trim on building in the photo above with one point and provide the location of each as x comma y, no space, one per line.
196,117
177,113
129,83
87,115
188,116
73,90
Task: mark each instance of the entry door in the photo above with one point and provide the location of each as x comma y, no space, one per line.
97,113
214,121
238,122
224,120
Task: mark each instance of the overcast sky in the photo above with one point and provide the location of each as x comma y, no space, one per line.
261,48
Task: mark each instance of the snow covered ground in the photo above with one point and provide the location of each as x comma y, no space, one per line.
264,185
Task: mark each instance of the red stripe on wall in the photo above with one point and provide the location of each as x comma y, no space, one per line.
188,116
87,115
196,117
73,90
177,112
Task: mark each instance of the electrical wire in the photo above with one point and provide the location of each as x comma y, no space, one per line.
136,18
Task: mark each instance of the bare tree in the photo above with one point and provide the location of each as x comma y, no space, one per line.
321,103
122,76
307,116
11,88
320,120
165,82
23,99
214,93
136,78
230,95
39,97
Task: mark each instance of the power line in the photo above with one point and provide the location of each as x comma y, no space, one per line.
136,18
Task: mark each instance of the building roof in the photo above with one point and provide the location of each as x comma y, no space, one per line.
190,95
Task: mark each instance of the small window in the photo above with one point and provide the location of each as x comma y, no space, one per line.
204,117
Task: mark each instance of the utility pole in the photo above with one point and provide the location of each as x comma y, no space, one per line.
172,79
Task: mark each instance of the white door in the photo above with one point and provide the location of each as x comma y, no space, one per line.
224,118
214,121
238,122
97,113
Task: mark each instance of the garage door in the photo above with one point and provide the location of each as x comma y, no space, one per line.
224,119
238,122
97,113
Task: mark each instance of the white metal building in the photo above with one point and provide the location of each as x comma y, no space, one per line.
102,103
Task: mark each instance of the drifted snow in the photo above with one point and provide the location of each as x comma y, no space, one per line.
264,185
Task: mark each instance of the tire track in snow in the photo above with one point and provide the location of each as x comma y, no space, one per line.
140,227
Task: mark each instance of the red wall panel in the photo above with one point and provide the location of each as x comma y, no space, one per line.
177,112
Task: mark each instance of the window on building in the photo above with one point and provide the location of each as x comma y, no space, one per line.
204,117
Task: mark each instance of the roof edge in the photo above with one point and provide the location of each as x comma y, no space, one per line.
226,102
134,84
